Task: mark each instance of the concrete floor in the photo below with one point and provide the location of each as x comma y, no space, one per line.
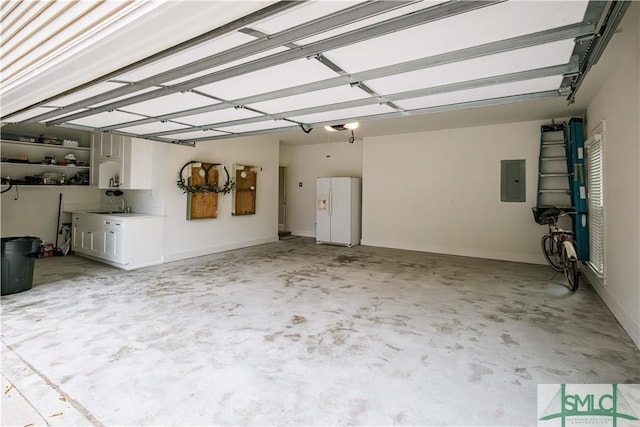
301,334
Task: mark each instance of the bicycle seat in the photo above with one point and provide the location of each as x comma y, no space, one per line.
546,215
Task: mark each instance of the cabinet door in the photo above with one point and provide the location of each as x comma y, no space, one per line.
104,145
76,238
137,164
83,236
110,146
114,245
86,240
110,244
116,146
93,242
99,243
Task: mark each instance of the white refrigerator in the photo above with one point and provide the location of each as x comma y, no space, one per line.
338,210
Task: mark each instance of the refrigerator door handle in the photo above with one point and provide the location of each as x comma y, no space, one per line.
330,202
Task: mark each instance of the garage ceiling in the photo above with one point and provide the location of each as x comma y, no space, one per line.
303,65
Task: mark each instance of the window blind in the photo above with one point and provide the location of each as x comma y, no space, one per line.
595,197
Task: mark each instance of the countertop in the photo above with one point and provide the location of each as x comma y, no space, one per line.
118,214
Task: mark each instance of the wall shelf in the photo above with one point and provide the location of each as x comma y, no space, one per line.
51,185
40,165
26,159
42,146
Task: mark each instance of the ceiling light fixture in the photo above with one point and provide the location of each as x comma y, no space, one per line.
348,126
335,128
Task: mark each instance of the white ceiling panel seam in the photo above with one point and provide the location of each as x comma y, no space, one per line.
573,30
355,12
224,116
570,68
213,104
417,18
548,54
483,92
547,36
254,47
446,35
488,81
360,86
455,87
390,115
219,125
534,96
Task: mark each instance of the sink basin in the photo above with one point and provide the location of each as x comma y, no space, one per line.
117,213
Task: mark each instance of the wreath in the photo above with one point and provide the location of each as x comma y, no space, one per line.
206,187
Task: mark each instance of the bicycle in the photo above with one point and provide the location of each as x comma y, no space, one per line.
558,245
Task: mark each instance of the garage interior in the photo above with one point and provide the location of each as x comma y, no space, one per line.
446,314
294,333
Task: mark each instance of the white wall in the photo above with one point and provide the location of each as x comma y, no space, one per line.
35,213
439,192
185,239
305,164
618,103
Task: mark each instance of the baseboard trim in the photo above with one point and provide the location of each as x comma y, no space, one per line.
303,233
473,253
630,326
177,256
120,265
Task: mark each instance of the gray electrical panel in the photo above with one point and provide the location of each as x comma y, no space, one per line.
512,181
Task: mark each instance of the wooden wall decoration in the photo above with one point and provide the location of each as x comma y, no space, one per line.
202,205
244,194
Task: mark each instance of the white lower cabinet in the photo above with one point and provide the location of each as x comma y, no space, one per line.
93,241
114,240
126,242
87,236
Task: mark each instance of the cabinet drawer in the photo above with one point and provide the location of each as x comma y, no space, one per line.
113,224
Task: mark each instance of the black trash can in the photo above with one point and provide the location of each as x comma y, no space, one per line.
18,255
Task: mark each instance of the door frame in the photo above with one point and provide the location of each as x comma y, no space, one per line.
283,197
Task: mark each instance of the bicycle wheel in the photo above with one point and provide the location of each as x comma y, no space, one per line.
571,272
551,253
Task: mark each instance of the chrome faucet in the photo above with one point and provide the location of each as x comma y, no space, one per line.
123,207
